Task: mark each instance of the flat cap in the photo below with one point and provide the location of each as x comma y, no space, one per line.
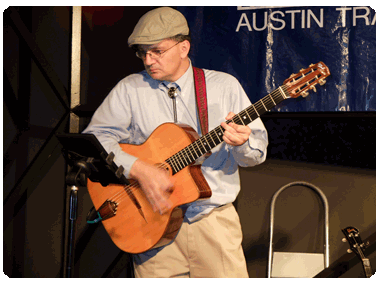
157,25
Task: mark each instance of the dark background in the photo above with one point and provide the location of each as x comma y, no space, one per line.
333,150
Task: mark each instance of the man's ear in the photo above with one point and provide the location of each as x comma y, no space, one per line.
185,48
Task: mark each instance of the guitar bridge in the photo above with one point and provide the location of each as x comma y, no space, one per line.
108,209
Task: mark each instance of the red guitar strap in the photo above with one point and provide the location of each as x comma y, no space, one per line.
200,91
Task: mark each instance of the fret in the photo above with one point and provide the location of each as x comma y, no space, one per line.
178,160
191,153
199,145
243,117
240,119
282,92
248,115
205,139
196,144
259,108
212,140
261,100
272,99
270,105
253,106
270,102
200,149
203,145
217,135
186,156
173,164
184,162
180,156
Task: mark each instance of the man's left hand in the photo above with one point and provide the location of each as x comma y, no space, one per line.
234,134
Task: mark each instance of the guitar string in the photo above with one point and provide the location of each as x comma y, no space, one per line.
183,155
128,189
180,156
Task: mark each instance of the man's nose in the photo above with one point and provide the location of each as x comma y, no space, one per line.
148,59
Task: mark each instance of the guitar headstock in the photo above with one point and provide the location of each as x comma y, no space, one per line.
355,241
305,80
357,246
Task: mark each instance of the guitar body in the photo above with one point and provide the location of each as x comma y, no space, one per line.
136,228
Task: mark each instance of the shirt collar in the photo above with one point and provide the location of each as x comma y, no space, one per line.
182,80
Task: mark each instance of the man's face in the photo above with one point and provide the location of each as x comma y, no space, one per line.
169,65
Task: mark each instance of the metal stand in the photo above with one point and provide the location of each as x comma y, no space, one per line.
88,160
76,177
298,264
72,230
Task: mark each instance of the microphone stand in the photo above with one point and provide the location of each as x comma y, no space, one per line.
87,159
76,177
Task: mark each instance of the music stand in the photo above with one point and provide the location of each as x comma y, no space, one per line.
87,159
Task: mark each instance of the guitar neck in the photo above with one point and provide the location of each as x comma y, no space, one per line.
206,143
367,267
365,262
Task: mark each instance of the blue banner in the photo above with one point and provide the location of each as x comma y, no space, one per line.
263,46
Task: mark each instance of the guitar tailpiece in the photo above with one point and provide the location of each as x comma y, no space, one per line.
107,210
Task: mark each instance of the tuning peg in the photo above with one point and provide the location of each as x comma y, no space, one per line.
349,250
322,82
311,65
314,89
344,240
304,94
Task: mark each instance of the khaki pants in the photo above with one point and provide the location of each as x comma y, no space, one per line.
210,247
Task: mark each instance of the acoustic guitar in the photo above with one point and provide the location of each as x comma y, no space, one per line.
358,247
124,210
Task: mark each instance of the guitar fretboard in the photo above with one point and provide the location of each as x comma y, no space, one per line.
207,142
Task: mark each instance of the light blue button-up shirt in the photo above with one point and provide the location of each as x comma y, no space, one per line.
138,104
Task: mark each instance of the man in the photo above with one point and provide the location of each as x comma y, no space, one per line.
209,241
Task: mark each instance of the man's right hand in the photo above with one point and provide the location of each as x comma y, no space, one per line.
155,183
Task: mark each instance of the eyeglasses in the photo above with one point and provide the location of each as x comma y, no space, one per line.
153,53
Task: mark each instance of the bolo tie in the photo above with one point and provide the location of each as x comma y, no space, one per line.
172,92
